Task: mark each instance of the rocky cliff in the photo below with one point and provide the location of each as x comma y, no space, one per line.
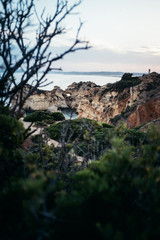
135,100
45,100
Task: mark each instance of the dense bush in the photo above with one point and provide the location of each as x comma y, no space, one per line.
10,132
135,137
44,115
23,207
87,137
72,129
11,137
116,119
117,197
41,124
91,138
127,81
106,125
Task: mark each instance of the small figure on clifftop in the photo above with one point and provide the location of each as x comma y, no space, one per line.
149,71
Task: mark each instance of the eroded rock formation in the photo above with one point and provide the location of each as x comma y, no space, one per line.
135,100
46,100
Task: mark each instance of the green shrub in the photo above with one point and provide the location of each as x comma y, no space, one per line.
55,130
116,119
22,207
72,129
49,121
37,138
40,124
135,137
87,137
11,132
126,81
11,137
4,110
106,125
44,115
116,197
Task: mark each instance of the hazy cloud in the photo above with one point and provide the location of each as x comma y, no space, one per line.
105,59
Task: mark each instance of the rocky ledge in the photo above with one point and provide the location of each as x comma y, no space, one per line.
135,100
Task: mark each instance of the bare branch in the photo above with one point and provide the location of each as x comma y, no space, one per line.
17,53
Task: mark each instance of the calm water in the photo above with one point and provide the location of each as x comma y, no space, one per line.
69,113
64,80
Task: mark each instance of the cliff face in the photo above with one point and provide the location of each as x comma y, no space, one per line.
132,99
46,100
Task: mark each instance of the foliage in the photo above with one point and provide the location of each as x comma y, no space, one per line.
44,115
117,197
127,81
27,202
10,132
40,124
4,109
37,138
11,136
135,137
45,196
87,138
73,129
106,125
116,119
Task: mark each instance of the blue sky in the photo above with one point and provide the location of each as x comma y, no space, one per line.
124,35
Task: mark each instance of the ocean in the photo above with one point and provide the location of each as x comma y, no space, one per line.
64,79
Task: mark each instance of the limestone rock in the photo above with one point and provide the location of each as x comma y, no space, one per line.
135,100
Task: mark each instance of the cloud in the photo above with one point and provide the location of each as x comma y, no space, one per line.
99,59
103,45
106,57
109,47
152,51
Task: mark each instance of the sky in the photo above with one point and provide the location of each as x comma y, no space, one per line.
124,35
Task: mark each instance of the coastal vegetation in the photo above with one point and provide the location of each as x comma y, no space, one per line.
44,116
75,179
127,81
47,193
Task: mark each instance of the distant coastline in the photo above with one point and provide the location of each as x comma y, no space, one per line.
64,79
96,73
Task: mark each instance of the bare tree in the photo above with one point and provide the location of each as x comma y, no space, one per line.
33,59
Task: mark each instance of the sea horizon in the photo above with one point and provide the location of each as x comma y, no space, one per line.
101,73
64,79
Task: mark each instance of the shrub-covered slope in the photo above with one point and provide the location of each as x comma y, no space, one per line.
44,115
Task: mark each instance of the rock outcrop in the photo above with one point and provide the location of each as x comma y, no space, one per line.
135,100
46,100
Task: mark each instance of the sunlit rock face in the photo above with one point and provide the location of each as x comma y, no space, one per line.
46,100
135,100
